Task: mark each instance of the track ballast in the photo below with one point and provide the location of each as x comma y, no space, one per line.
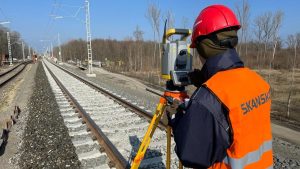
123,127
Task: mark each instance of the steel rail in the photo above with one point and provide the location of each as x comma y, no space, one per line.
12,77
113,154
121,101
13,68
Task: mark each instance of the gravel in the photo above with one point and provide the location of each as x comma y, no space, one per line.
129,88
124,128
46,143
285,154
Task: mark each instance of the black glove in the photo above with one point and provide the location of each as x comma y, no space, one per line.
196,77
175,107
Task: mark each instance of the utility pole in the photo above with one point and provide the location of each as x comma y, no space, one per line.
89,38
29,52
47,52
51,50
59,47
23,52
9,49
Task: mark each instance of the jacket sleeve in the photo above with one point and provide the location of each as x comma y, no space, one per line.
201,132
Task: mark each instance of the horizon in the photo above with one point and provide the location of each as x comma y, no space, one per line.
118,19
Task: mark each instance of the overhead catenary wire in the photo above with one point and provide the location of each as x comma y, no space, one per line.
50,22
3,14
86,6
56,9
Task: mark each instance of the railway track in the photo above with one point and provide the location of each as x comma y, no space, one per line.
110,128
10,74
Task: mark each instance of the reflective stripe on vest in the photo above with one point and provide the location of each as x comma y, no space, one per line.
249,158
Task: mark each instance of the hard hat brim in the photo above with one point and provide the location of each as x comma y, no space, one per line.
193,45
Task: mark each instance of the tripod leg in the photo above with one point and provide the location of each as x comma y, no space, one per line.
168,163
147,138
180,165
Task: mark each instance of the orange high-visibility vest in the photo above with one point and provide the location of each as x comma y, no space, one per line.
247,97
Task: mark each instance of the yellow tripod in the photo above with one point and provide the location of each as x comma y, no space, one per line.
176,63
167,97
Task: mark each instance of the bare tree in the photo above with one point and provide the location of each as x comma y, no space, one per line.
243,13
276,23
298,40
129,53
290,41
266,21
184,22
157,26
258,32
153,15
138,35
293,42
267,28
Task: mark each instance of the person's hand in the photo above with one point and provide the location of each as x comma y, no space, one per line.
170,111
196,77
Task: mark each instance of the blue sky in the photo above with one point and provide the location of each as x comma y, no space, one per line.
117,19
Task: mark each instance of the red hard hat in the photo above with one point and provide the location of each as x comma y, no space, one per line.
213,18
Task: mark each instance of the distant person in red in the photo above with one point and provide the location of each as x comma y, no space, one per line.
226,123
34,58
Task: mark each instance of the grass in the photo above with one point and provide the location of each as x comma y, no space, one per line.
280,81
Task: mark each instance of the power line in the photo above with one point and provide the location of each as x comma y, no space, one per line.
88,31
50,20
49,24
3,14
58,7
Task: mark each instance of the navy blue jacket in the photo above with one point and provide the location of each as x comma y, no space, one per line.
202,132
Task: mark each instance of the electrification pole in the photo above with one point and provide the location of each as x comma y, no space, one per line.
59,47
51,50
9,49
48,53
29,52
89,38
23,52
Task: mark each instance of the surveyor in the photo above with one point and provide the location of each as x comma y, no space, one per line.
226,123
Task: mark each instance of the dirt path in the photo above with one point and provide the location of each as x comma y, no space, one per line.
130,82
126,81
286,134
17,93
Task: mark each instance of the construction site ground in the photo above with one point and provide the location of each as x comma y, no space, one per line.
15,93
286,141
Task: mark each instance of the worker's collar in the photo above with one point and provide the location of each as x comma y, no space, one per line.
225,61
